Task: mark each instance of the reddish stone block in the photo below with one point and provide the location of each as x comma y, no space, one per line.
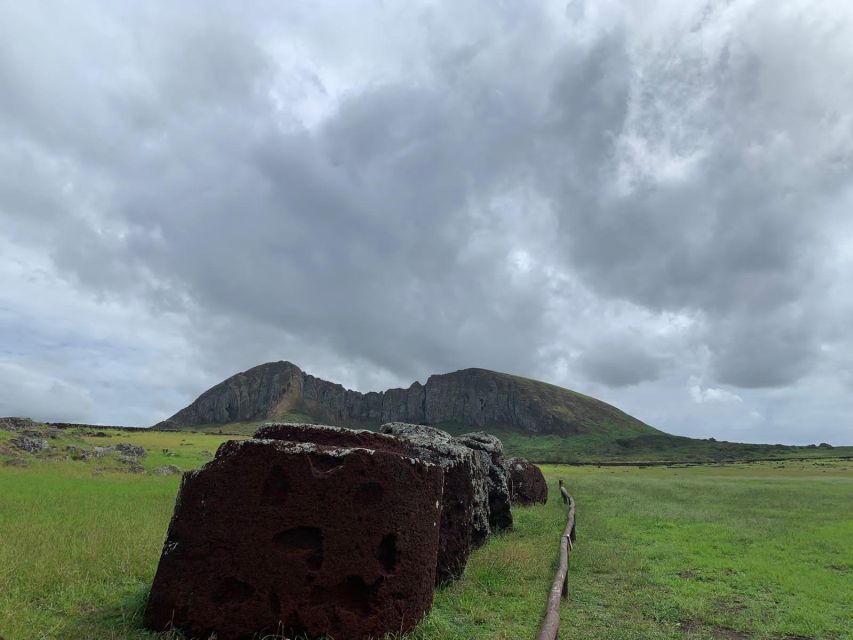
526,483
296,537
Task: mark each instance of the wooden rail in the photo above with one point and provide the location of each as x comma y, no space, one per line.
560,586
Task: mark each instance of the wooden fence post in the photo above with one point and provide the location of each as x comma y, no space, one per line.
560,586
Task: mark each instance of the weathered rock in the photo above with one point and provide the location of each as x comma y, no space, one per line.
17,424
130,450
168,470
330,436
462,520
77,453
30,444
526,483
300,537
133,465
490,456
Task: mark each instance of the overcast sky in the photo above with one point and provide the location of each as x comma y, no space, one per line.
649,202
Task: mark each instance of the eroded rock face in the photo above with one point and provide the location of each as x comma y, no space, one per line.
474,397
303,537
462,520
526,483
489,455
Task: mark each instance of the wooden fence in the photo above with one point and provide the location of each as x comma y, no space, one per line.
560,586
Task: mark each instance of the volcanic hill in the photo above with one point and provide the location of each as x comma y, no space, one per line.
469,399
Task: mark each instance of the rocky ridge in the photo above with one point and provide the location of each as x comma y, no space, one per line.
469,398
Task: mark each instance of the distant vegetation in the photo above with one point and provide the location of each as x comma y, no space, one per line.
612,443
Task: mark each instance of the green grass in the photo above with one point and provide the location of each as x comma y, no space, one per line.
612,442
719,551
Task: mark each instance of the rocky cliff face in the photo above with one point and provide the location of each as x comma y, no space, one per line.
470,399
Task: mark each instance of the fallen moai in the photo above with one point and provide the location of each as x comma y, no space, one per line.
461,514
489,455
312,538
526,483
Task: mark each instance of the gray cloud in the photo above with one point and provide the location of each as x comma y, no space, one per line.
620,365
385,193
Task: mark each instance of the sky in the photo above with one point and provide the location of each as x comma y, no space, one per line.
648,202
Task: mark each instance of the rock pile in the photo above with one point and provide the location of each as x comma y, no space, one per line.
315,530
526,482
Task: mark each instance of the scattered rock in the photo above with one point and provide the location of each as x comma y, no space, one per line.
274,535
130,450
168,470
460,516
133,464
17,424
77,453
489,457
100,452
526,483
30,444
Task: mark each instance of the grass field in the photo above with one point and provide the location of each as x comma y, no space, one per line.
737,551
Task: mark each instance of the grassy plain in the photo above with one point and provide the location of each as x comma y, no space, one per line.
622,442
718,551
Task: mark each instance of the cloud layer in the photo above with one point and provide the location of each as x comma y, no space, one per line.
647,203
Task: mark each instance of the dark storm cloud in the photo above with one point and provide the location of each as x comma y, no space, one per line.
379,193
620,365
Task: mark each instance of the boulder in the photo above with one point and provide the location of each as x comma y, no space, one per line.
489,454
275,536
168,470
462,520
17,424
526,483
130,450
30,444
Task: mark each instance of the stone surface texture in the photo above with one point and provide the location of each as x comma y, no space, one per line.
462,519
303,537
490,459
526,483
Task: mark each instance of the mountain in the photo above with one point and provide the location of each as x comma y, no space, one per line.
469,399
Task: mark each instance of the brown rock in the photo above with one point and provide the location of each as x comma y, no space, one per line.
299,537
526,483
460,517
